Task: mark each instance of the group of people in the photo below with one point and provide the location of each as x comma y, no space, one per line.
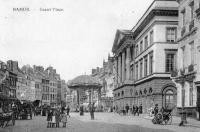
57,115
91,108
135,110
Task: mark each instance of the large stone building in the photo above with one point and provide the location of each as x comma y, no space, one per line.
188,77
145,56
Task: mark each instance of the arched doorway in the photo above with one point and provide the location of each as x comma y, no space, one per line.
169,95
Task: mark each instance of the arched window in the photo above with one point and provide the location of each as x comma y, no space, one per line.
131,91
169,98
140,92
145,91
150,90
136,93
122,93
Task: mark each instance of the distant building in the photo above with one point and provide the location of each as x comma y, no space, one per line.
63,93
105,75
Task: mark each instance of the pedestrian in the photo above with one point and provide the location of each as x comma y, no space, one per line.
156,109
136,110
53,122
140,109
92,111
68,110
49,118
133,110
64,118
81,110
57,117
62,109
114,109
127,109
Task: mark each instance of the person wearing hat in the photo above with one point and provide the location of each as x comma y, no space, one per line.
156,109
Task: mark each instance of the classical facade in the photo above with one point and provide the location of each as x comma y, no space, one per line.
145,57
188,77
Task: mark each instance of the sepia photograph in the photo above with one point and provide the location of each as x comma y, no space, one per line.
99,65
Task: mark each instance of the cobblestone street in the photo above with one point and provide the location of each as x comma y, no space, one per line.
104,122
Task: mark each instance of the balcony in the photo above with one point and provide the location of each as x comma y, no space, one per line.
198,13
191,68
183,30
191,26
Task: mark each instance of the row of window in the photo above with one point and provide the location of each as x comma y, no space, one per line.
191,13
171,35
137,93
143,46
49,97
53,84
192,54
141,67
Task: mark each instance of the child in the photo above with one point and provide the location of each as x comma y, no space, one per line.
64,119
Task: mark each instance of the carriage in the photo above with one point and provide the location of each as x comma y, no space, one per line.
25,111
6,118
163,117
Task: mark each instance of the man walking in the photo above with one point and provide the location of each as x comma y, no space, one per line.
127,109
68,109
92,111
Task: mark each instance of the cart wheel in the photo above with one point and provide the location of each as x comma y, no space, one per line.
169,120
159,117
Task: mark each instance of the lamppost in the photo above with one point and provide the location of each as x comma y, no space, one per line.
183,115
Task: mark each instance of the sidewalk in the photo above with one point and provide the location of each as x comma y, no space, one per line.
176,120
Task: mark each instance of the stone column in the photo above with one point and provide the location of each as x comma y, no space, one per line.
116,71
128,59
119,69
123,66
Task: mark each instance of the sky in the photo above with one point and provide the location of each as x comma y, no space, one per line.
73,40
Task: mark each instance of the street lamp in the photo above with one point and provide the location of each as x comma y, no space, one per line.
183,116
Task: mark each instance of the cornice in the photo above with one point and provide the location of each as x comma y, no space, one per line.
155,12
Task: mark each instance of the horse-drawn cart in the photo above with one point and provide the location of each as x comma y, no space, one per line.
6,118
25,111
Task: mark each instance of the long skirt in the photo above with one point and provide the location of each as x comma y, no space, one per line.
53,119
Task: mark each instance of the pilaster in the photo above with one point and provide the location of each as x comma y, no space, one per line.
128,59
123,66
119,68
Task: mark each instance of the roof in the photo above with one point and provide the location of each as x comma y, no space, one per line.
161,5
84,81
119,36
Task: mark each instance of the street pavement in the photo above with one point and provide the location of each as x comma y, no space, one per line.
104,122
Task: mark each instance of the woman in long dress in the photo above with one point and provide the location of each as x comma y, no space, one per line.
53,119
